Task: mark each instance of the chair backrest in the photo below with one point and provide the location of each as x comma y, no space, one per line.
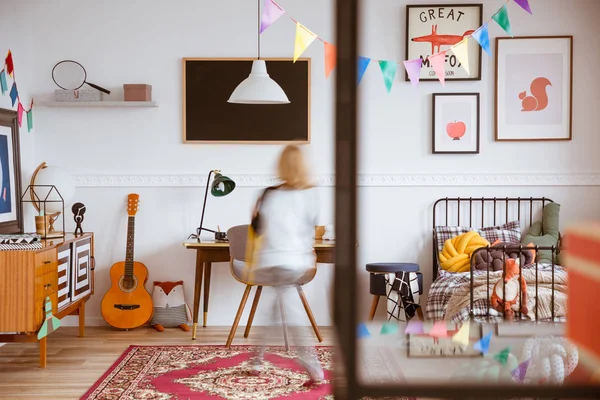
238,237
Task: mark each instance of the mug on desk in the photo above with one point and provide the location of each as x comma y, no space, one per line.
319,232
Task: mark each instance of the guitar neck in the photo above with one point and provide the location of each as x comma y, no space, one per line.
129,251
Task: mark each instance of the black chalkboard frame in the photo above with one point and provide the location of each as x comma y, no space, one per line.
306,139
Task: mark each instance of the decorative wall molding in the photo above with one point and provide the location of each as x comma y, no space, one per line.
365,180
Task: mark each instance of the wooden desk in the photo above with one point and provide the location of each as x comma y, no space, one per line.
208,252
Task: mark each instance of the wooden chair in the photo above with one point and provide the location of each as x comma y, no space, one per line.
238,236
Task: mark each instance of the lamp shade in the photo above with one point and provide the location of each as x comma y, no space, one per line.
222,185
64,183
258,88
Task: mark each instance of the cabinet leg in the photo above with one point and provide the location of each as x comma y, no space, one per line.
82,319
43,352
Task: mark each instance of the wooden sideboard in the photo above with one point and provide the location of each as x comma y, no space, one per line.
63,269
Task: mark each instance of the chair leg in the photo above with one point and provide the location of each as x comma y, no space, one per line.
238,316
252,311
420,313
286,337
374,305
311,317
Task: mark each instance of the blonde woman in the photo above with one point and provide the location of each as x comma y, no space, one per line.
285,218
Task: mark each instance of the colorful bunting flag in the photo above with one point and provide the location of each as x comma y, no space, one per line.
14,94
414,327
363,63
3,84
438,62
304,38
413,69
439,329
462,336
271,13
388,70
483,345
502,356
30,119
362,331
9,63
524,5
20,114
330,58
519,372
501,18
483,38
389,328
461,51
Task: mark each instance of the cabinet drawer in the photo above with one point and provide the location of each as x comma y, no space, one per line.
45,262
46,285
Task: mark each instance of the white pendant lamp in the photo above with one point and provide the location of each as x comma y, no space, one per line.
258,87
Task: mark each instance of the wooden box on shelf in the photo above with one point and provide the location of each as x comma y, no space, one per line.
63,270
137,92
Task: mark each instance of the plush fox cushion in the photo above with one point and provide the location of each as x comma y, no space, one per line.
170,308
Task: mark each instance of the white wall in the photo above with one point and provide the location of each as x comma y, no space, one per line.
140,41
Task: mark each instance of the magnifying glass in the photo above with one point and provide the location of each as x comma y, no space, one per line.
70,75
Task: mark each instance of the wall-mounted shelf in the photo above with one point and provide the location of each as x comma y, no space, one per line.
97,104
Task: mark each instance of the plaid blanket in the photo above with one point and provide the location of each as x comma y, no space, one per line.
448,284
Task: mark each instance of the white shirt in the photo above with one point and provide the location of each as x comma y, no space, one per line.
288,219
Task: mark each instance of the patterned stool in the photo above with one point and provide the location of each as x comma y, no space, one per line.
379,282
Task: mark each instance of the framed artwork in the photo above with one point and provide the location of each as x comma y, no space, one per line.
455,127
534,88
433,28
423,345
11,214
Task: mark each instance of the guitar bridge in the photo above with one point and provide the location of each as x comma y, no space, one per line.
127,306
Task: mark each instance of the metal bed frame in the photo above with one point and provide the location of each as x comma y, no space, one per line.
452,207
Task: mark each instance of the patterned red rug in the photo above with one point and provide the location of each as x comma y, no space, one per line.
208,372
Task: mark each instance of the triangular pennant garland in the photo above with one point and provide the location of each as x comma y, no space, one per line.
3,84
483,38
414,327
439,329
388,328
502,356
388,70
524,5
330,58
519,372
363,63
20,114
271,13
14,94
461,51
362,331
501,18
462,336
10,67
304,38
30,119
483,345
413,70
438,62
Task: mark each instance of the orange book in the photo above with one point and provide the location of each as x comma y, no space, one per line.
582,249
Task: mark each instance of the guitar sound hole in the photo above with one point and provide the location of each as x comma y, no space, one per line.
128,284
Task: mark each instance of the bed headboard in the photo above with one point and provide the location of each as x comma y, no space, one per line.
479,212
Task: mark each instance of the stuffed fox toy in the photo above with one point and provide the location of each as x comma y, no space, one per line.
511,283
170,308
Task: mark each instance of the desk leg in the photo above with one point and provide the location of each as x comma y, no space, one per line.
43,344
197,290
207,270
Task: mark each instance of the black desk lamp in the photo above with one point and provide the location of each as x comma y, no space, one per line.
221,186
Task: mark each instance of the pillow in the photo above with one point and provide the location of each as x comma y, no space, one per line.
545,232
508,233
170,308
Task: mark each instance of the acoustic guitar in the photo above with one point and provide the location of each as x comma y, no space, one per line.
127,304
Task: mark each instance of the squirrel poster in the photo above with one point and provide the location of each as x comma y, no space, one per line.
538,100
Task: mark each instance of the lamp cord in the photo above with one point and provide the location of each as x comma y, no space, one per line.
258,13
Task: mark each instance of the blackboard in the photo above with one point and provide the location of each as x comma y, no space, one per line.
209,118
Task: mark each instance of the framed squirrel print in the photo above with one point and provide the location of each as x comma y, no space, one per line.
534,85
432,28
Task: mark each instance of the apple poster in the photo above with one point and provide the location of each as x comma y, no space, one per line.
456,128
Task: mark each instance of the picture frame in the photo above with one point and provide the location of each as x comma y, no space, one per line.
455,127
11,211
422,345
426,22
534,103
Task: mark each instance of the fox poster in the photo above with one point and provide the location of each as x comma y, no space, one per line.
434,28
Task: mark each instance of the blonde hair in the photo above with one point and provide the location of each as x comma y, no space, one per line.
292,169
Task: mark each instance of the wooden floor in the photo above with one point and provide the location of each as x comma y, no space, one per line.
75,364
